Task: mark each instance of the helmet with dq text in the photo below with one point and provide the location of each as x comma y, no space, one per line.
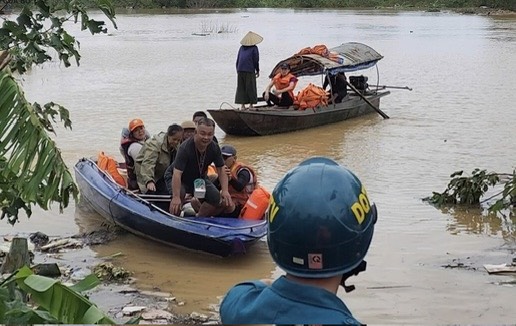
321,221
135,123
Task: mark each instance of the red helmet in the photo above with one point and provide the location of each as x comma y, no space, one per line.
135,123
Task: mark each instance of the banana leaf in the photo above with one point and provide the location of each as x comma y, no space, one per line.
32,170
55,301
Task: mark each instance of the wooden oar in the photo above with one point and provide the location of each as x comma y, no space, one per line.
380,112
394,87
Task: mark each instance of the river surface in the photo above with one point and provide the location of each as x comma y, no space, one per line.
459,116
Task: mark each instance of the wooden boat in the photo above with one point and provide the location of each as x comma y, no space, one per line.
264,120
218,236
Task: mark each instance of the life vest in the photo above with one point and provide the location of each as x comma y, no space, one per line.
109,165
281,82
319,49
125,143
256,205
240,197
211,170
310,97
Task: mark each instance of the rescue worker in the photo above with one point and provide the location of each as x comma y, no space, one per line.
130,146
321,224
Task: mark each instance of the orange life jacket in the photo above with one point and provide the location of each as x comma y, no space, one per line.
319,49
108,164
211,170
241,197
310,97
256,205
281,82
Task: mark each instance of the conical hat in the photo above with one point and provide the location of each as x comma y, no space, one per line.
251,38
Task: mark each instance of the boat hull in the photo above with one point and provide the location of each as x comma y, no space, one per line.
217,236
267,121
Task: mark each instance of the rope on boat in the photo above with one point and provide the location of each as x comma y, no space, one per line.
231,106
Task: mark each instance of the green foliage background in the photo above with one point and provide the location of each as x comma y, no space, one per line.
498,4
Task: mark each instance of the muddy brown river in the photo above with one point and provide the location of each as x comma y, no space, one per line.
425,265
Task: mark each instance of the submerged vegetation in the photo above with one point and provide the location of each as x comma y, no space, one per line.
470,190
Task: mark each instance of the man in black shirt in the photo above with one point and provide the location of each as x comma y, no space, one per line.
191,163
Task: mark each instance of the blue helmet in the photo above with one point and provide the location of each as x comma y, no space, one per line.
321,221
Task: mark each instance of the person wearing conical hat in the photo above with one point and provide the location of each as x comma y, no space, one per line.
248,69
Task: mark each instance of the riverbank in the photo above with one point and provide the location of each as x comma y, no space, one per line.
116,295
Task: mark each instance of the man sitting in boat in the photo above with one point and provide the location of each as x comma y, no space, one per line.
284,83
242,181
338,87
154,158
190,167
130,146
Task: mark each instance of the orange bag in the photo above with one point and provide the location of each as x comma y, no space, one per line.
108,164
256,205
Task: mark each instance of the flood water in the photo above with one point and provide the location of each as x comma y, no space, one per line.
459,116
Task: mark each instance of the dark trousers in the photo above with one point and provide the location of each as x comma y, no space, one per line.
285,99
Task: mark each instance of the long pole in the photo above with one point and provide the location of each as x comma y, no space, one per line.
394,87
380,112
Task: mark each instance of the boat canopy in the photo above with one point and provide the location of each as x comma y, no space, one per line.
348,57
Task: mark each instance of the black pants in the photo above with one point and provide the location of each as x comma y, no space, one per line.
285,99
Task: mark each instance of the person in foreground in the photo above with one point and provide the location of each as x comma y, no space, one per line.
321,224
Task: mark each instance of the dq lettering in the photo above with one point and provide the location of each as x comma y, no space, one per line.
361,207
273,209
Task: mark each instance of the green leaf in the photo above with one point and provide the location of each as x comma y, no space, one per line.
39,283
60,301
33,171
88,283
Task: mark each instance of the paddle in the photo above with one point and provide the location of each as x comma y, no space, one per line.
394,87
380,112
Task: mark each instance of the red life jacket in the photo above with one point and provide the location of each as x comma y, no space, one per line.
240,197
281,82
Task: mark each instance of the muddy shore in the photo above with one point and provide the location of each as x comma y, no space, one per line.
116,296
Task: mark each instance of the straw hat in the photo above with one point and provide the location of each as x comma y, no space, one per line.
251,38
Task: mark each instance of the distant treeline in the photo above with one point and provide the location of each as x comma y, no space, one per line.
429,4
198,4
